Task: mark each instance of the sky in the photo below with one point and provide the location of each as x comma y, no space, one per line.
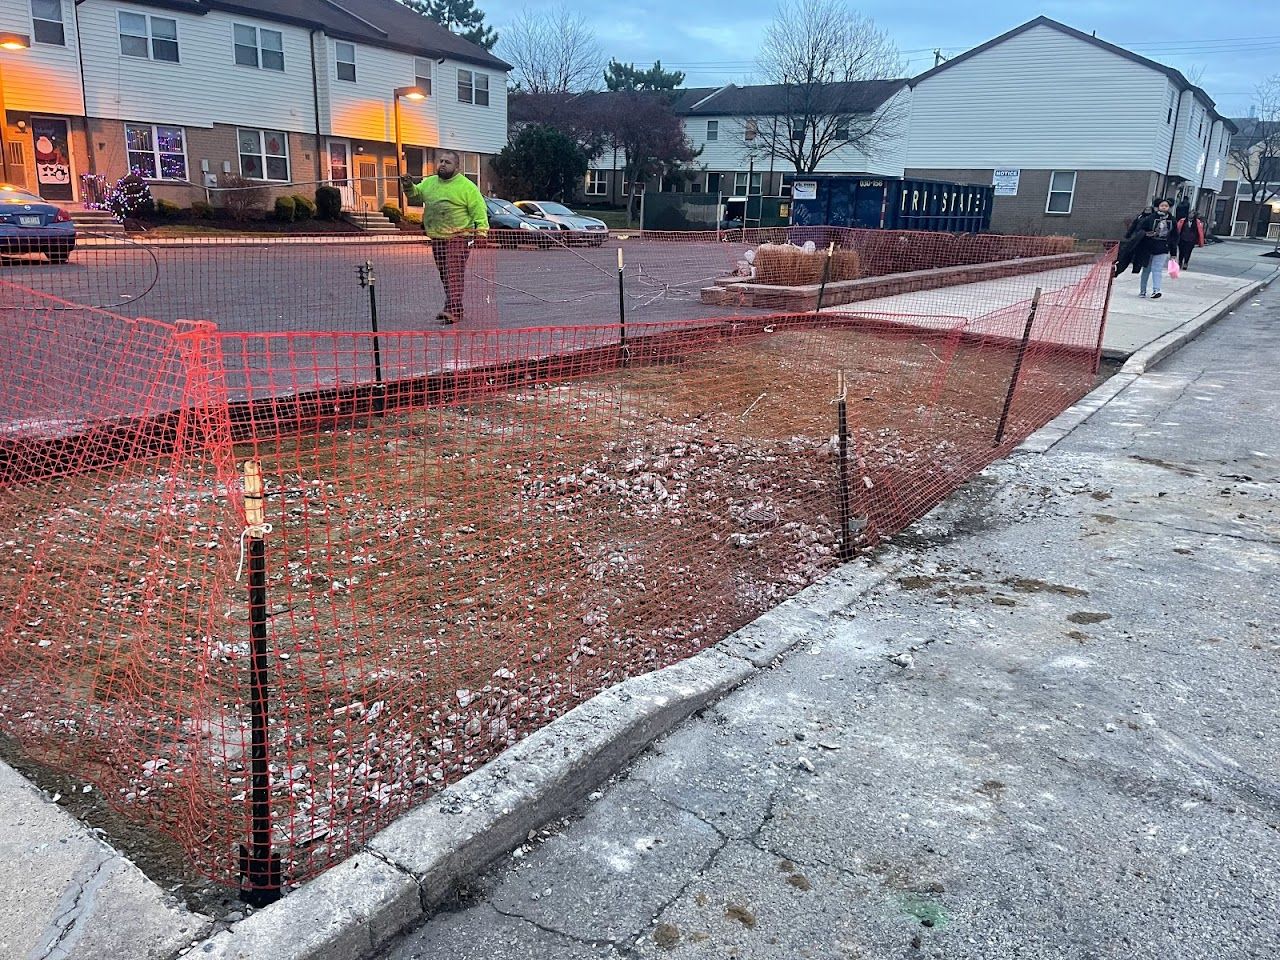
715,41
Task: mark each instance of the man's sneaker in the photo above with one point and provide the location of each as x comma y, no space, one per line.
1143,296
1157,295
445,317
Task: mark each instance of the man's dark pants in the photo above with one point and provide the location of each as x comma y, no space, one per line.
451,260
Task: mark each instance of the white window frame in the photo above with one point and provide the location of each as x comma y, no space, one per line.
471,166
150,36
597,183
339,63
742,188
423,74
259,50
713,131
156,152
474,85
61,23
262,154
750,130
1071,194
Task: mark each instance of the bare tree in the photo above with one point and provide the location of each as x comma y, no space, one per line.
817,56
1255,150
554,51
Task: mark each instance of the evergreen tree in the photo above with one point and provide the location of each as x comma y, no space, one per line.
458,16
625,76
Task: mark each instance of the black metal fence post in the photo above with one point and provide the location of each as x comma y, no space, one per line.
826,275
622,306
842,469
367,279
260,870
1017,368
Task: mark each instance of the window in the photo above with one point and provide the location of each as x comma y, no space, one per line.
842,131
146,37
156,153
259,47
471,166
740,183
345,54
713,130
264,155
597,183
473,87
695,184
46,19
1172,100
750,130
1062,188
422,74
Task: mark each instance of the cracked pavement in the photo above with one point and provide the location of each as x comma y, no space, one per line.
1078,762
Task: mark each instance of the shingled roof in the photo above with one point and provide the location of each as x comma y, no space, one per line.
381,23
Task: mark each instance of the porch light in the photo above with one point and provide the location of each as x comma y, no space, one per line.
14,41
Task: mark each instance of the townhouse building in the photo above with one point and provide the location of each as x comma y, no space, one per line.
288,93
1077,134
1242,211
735,132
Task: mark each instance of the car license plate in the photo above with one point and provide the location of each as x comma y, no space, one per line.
29,221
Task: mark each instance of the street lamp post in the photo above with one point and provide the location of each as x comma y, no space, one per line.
408,93
8,41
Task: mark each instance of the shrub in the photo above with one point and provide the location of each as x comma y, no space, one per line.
167,209
414,217
202,210
392,212
304,208
790,266
242,197
285,209
130,198
328,203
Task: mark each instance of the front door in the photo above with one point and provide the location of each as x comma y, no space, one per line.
340,171
50,136
367,180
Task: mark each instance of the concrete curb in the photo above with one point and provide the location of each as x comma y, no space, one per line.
414,865
1138,363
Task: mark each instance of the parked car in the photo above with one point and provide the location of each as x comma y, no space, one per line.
503,215
30,224
586,229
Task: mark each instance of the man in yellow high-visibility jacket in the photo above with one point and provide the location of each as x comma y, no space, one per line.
453,216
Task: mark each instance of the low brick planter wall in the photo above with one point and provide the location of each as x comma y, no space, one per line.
801,299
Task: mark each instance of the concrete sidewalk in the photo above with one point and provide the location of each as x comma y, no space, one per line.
1049,734
78,891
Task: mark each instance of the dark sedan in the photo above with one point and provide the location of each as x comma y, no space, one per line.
504,216
30,224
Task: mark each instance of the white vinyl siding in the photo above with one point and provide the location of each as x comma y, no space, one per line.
47,23
731,150
1040,100
1062,191
45,78
207,86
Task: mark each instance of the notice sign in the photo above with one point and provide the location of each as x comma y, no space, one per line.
1006,182
804,190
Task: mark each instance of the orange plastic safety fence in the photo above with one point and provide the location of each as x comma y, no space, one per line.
467,532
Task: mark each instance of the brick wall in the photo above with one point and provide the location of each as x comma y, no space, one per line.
1104,202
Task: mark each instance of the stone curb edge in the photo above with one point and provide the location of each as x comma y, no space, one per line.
415,864
1062,426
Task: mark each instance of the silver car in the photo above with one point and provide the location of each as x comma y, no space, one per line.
586,230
